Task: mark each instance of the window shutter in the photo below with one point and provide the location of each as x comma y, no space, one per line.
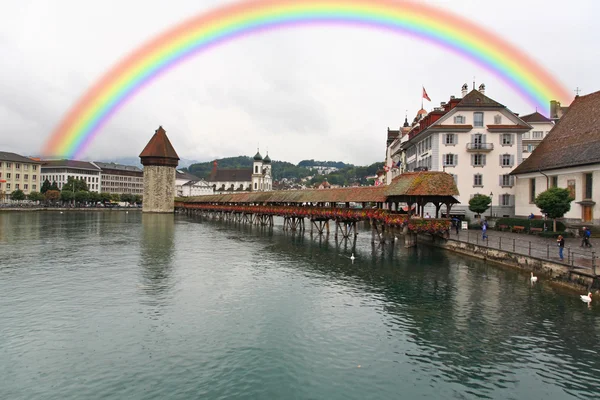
500,179
455,161
444,138
472,138
455,179
472,159
512,138
483,159
444,159
511,200
512,160
500,159
483,138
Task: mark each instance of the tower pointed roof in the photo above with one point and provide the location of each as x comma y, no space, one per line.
267,159
159,150
257,156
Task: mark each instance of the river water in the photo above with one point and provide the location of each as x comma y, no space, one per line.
115,305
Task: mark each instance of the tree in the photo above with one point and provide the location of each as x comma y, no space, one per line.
66,195
17,195
54,186
115,197
94,197
81,196
45,186
79,185
137,199
555,203
480,203
36,196
104,197
52,195
127,197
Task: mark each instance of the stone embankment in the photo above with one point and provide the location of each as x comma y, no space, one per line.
575,277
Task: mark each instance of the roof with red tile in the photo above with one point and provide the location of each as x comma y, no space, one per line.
477,99
535,117
573,141
427,183
159,147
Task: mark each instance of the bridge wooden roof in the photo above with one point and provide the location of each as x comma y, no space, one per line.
433,185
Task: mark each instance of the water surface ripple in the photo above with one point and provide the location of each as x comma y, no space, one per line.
109,305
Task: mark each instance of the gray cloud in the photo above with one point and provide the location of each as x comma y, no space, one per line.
324,93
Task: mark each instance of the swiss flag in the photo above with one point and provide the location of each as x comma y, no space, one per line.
425,96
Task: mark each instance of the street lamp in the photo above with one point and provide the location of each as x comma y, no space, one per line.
491,204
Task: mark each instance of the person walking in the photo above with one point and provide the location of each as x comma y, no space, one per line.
484,230
587,234
456,224
560,242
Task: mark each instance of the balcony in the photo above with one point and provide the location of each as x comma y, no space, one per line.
480,147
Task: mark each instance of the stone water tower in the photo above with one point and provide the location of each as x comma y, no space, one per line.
159,160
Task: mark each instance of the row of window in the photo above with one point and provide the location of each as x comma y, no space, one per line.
588,185
8,187
424,145
65,178
534,135
477,119
506,139
9,165
121,178
18,176
478,160
503,180
505,199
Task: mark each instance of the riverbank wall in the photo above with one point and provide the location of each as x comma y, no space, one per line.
577,279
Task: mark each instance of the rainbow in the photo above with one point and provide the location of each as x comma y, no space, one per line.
87,117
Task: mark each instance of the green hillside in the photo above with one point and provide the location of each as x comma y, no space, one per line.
345,176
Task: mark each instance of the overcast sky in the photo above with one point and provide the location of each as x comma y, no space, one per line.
324,93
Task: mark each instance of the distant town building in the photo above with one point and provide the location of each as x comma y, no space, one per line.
159,160
118,178
18,173
474,138
60,171
569,157
257,179
187,185
540,126
322,170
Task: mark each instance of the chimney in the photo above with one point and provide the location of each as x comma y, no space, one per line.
443,103
554,107
465,89
452,97
482,88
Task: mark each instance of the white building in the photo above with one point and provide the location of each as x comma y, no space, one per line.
18,173
478,141
258,178
60,171
540,126
569,157
188,185
261,173
119,178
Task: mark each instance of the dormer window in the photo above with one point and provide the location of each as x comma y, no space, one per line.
459,119
497,119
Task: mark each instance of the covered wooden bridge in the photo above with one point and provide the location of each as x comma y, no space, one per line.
398,205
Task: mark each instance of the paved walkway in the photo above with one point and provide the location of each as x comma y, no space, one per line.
536,246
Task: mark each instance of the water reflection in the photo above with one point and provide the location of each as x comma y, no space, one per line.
473,324
157,250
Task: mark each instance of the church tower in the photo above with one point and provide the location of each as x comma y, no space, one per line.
257,173
267,177
159,160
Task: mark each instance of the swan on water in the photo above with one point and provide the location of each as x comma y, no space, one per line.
533,278
586,299
352,257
